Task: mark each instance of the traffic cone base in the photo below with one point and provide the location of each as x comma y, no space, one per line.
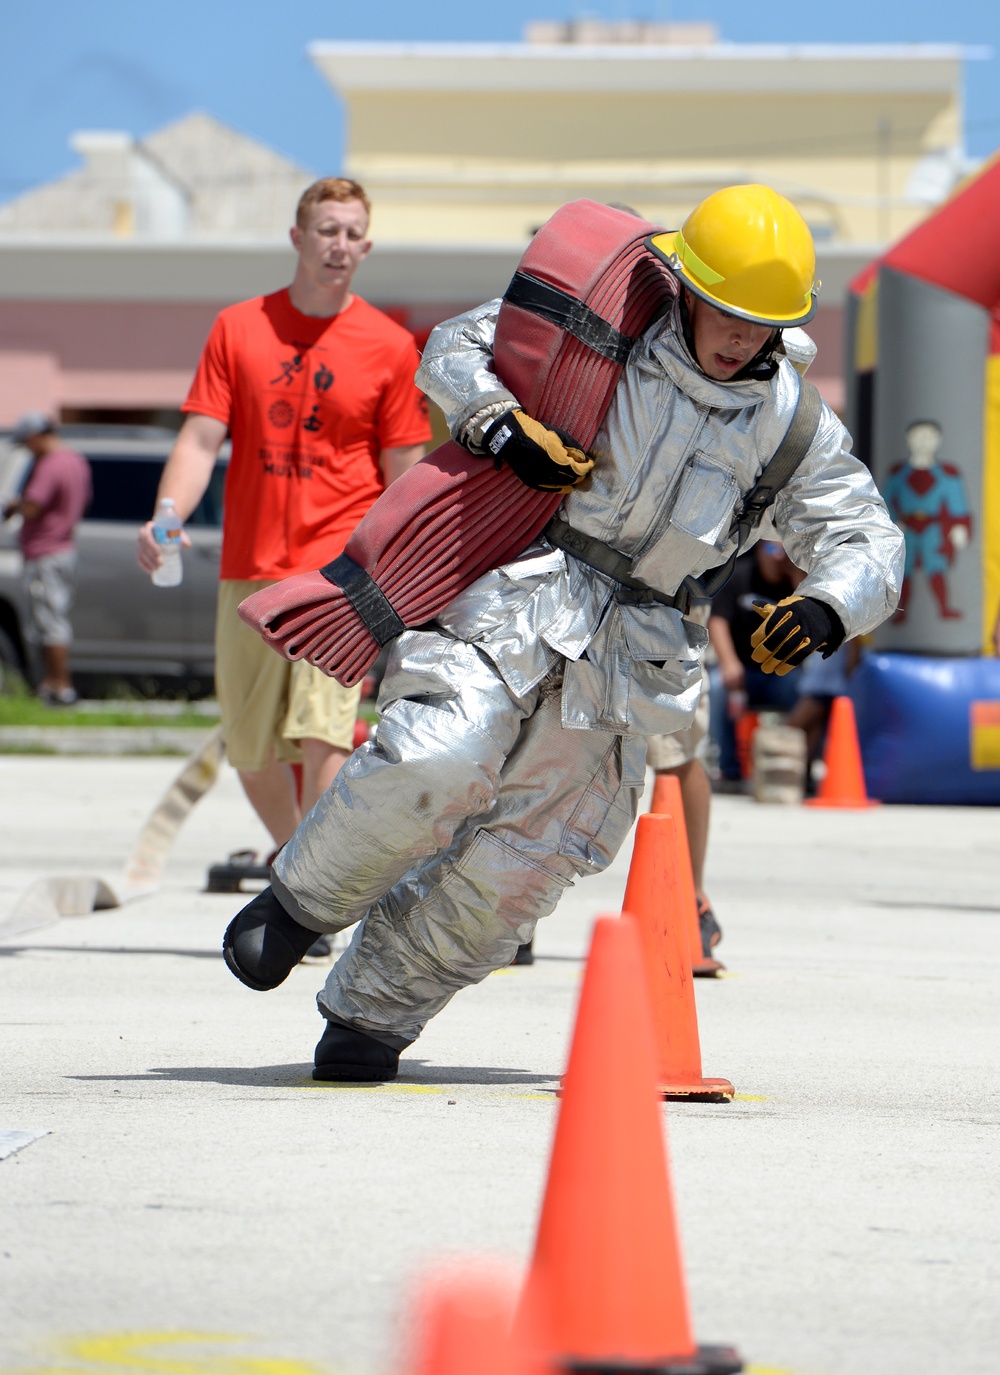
706,1360
857,806
708,1090
704,1090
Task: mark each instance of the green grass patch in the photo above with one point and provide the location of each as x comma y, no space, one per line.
28,711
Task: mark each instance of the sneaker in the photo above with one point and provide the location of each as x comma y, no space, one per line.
321,951
242,865
711,931
345,1054
263,944
58,697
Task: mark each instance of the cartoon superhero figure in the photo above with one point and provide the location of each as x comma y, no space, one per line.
927,501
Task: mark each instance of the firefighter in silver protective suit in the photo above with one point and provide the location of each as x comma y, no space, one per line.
510,754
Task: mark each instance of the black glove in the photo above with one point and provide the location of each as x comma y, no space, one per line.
791,631
547,460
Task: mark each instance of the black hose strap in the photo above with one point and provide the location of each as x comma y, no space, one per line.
367,598
551,303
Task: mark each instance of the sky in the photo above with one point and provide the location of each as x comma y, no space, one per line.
136,65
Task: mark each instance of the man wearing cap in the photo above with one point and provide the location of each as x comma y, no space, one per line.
511,753
52,501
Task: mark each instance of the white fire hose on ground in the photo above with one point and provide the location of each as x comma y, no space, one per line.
49,899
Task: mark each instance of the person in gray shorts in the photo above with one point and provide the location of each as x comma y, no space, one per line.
54,497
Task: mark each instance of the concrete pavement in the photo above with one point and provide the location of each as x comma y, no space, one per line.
840,1217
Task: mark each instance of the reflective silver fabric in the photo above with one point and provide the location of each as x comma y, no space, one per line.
510,753
457,367
674,458
454,830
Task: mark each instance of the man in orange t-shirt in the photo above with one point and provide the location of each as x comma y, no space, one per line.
316,388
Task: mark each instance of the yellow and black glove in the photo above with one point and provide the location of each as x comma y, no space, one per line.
547,460
790,631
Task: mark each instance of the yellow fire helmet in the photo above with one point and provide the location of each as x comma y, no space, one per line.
747,251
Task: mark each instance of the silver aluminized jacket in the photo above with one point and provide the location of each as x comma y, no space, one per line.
509,759
675,456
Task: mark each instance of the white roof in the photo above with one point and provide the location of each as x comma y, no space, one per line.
555,67
194,178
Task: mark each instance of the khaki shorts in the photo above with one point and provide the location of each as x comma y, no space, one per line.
267,703
669,751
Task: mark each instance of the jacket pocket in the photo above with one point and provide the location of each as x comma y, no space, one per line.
706,496
697,527
606,810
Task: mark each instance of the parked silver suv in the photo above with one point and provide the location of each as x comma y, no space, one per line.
123,626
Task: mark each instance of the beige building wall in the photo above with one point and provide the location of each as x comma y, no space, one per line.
111,276
481,143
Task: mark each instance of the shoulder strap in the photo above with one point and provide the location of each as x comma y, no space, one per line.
793,448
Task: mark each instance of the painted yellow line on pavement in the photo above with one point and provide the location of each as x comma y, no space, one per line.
130,1351
539,1095
749,1098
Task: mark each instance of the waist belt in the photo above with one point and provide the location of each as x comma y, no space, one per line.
614,564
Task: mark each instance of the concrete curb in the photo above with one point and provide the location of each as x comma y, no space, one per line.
102,740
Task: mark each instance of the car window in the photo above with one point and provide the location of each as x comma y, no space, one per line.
125,491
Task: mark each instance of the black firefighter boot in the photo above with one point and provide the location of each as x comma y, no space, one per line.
263,944
343,1054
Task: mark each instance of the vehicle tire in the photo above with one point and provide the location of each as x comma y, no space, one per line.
11,666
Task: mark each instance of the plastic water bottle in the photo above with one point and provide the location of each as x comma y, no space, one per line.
167,528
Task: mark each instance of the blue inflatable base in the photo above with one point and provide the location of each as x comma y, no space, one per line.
914,719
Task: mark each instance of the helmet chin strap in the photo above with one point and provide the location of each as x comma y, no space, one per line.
760,368
764,364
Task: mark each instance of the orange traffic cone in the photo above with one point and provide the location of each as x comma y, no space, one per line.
669,801
844,783
606,1279
653,898
743,731
463,1321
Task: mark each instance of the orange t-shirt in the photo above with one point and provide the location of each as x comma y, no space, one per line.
310,403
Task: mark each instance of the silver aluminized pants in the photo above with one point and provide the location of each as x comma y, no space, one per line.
451,833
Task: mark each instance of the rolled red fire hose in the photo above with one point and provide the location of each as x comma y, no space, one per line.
584,289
